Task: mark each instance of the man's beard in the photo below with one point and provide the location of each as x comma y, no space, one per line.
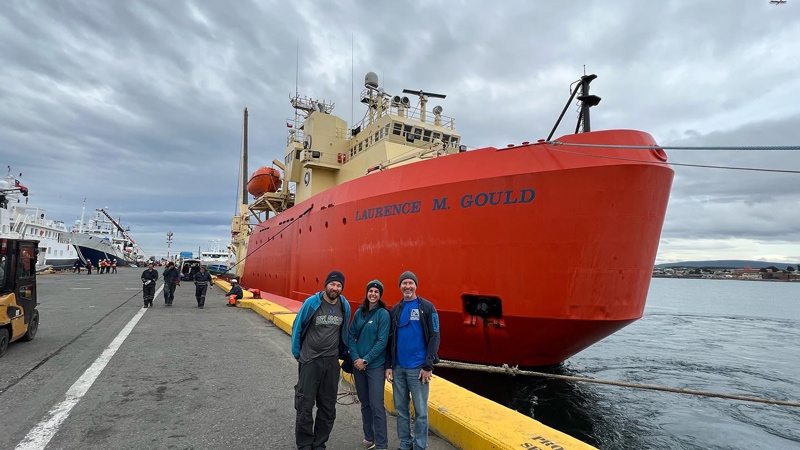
331,294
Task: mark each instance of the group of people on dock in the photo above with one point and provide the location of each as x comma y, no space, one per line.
172,279
399,346
103,266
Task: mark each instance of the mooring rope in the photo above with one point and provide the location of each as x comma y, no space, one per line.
508,370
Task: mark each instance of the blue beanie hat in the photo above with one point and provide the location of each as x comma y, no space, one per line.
335,276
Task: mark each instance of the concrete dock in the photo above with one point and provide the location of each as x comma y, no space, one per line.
184,378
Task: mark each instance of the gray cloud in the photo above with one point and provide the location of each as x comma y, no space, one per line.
137,106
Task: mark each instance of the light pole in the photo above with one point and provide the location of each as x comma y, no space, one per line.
169,243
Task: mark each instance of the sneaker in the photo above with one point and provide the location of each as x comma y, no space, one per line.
369,445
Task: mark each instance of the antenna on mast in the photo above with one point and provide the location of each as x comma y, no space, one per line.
297,68
352,79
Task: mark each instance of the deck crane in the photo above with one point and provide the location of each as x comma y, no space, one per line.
123,231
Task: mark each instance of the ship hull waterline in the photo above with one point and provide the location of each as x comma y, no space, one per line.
565,242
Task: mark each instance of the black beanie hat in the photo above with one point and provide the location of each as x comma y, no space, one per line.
335,275
406,276
375,284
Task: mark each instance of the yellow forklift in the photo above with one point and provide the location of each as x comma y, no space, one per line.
19,318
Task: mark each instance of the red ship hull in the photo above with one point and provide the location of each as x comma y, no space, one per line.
560,241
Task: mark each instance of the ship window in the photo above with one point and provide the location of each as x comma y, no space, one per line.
376,138
386,130
417,133
437,135
407,130
359,146
454,142
446,138
397,128
297,154
426,136
381,133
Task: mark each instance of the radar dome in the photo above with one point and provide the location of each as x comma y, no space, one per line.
371,80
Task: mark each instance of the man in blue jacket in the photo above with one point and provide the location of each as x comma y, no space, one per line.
319,339
413,350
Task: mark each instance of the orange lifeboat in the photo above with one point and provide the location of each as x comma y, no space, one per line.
265,179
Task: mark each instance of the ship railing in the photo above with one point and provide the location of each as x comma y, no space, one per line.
320,157
295,135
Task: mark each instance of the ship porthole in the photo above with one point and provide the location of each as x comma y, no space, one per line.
304,278
317,279
326,224
299,231
344,220
309,228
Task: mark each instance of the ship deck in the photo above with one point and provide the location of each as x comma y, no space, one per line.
217,378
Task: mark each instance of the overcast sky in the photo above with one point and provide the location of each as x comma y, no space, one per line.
137,105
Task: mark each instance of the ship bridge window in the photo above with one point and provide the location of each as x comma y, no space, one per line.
375,139
297,154
381,133
386,130
426,136
407,129
437,135
360,144
454,142
417,133
397,128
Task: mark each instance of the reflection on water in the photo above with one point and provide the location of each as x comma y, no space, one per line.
723,336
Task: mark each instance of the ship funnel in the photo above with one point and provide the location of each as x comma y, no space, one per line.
371,80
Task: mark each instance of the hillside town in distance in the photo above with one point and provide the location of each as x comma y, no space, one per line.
771,273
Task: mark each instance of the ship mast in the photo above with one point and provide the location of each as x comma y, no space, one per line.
240,225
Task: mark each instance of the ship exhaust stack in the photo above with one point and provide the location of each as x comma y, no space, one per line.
587,101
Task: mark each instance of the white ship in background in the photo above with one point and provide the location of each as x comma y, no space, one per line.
20,220
102,237
216,260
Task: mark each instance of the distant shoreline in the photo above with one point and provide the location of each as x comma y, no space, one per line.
774,280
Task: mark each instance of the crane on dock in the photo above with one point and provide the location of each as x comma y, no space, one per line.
123,231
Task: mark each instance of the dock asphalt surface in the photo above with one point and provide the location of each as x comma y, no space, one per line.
184,378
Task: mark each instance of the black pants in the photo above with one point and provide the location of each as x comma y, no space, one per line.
148,292
318,383
200,294
169,292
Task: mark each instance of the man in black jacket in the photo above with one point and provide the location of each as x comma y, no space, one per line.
412,351
202,282
236,291
149,278
171,280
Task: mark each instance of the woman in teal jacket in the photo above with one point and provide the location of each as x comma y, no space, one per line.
369,333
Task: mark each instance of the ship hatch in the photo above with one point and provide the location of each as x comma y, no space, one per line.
487,307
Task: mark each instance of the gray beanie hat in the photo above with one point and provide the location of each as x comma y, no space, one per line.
408,275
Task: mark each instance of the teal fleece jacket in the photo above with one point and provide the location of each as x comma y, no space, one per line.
303,319
371,345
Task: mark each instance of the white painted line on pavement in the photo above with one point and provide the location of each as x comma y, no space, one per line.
79,289
40,435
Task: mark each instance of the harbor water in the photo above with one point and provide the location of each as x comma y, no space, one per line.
725,336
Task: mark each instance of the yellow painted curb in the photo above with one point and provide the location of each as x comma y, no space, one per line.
463,418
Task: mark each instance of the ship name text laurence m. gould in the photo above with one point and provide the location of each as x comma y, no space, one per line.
480,199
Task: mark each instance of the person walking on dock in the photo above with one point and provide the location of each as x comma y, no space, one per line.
172,279
413,350
77,266
319,339
202,282
114,266
149,277
88,267
369,333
